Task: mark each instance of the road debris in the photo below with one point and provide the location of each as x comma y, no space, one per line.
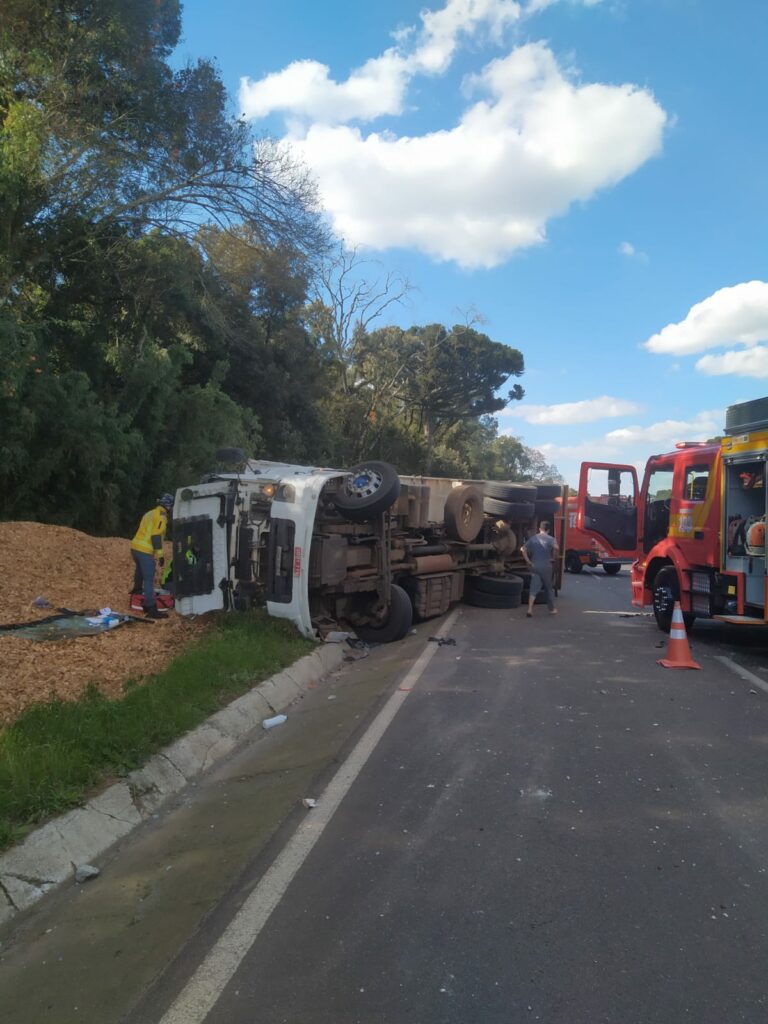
270,723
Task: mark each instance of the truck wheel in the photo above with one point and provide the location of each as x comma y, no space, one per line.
512,511
505,584
572,562
612,568
398,621
464,513
547,492
370,489
480,599
510,492
666,590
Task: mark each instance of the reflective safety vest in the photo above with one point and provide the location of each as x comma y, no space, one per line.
153,524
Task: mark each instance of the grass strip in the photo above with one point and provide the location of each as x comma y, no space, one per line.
55,753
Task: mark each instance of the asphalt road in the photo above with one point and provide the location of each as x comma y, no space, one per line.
543,824
552,828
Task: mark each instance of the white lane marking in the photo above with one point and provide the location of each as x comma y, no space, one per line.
199,995
627,615
744,673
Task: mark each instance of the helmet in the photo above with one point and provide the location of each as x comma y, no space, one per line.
166,500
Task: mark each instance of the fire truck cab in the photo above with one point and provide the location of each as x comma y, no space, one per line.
602,518
701,525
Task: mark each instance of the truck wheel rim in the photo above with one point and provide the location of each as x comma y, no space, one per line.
365,484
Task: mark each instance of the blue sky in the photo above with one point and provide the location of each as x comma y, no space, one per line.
589,176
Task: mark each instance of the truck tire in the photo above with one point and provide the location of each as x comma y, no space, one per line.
510,492
398,622
573,562
666,590
545,507
370,489
512,511
546,492
507,583
611,568
464,513
480,599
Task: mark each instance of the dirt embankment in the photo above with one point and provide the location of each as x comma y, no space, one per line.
72,570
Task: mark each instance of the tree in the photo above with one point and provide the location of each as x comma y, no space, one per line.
439,377
98,132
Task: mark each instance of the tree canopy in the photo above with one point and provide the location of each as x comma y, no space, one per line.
168,287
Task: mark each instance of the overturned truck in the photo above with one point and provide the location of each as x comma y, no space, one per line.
365,549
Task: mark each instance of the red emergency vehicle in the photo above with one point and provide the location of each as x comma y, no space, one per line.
699,525
592,535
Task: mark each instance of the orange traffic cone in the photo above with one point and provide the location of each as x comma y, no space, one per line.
678,651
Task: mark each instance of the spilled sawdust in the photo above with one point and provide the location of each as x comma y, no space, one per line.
75,571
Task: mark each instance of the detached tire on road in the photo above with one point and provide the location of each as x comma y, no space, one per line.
507,584
370,489
480,599
398,623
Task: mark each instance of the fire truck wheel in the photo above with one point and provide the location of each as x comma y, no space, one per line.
572,562
666,590
464,513
507,583
547,492
370,489
510,492
612,568
398,621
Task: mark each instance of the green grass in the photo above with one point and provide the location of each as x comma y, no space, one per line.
55,753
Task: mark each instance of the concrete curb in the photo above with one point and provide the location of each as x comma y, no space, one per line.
49,855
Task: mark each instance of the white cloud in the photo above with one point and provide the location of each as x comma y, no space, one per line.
305,88
632,445
627,249
587,411
668,432
737,315
538,143
750,362
534,142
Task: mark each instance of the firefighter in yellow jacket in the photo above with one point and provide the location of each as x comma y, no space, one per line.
147,546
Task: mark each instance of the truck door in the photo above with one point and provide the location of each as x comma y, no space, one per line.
607,504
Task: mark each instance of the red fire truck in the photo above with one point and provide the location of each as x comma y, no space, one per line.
699,524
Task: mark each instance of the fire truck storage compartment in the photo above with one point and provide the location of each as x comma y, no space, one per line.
745,504
192,556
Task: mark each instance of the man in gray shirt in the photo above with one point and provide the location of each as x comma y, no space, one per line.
540,551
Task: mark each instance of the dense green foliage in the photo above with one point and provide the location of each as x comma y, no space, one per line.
159,297
53,753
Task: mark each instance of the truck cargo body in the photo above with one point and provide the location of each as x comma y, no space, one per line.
324,548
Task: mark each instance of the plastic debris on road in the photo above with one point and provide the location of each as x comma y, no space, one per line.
309,802
270,723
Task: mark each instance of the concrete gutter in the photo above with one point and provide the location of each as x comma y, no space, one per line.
49,855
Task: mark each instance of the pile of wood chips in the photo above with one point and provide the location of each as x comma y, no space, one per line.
71,570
